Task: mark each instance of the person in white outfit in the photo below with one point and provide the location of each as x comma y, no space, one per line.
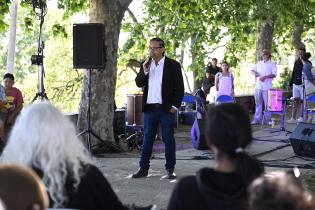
264,71
224,81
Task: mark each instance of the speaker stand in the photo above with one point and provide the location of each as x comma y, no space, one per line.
41,94
89,130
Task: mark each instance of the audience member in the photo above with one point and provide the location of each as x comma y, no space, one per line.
2,207
12,106
224,81
264,71
44,139
279,191
228,133
21,188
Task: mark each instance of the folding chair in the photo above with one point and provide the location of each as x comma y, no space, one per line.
224,99
282,113
188,114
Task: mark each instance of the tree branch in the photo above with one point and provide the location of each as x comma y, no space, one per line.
133,17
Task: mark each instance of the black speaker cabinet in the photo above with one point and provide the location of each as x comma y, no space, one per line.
120,121
88,46
198,135
303,140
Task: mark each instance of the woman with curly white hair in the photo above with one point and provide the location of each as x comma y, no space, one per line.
45,140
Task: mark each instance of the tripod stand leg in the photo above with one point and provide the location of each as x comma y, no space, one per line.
88,141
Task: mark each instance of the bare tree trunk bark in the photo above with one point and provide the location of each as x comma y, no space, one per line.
110,13
264,35
12,38
181,61
296,37
197,82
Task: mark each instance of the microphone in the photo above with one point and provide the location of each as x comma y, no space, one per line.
149,62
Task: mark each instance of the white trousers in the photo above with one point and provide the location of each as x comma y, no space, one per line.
261,97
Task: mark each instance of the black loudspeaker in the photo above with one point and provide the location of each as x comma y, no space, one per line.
88,46
198,131
119,121
303,140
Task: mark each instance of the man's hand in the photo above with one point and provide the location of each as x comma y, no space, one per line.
255,73
173,110
146,66
263,78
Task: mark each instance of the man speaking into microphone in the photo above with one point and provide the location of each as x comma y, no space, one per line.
163,89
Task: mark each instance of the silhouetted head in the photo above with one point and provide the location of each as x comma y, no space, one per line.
228,133
21,188
279,191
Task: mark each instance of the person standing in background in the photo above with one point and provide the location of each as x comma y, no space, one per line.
224,81
264,71
297,88
211,71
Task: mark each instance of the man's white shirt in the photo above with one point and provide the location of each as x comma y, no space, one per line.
265,68
155,82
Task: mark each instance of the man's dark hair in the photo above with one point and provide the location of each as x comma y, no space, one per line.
306,56
159,40
214,59
8,75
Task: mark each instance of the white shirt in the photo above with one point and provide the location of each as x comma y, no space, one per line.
155,82
265,68
225,84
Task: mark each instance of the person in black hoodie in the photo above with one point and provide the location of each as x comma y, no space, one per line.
223,187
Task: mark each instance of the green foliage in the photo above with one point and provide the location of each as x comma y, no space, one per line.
59,30
4,9
62,83
284,79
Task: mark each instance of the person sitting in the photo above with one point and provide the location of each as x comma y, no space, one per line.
44,139
224,187
11,107
21,188
279,191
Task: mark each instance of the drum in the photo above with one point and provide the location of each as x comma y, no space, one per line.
134,109
275,100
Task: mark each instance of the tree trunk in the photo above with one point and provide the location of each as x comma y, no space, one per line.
197,81
181,61
264,35
12,38
296,37
103,82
